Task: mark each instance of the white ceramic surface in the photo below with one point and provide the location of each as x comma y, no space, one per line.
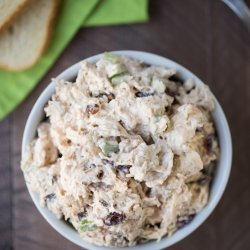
219,182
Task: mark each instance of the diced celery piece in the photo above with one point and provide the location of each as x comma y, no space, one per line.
114,66
169,125
109,148
116,69
118,79
158,84
158,118
94,94
110,57
85,226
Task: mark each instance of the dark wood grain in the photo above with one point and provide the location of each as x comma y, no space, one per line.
204,36
5,187
230,79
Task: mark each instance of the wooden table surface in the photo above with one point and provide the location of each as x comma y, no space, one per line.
204,36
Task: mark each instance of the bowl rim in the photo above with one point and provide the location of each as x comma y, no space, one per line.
222,171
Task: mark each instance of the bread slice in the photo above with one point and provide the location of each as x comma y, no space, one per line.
24,41
9,9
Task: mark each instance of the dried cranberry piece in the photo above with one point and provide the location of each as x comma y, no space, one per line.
92,109
100,175
204,180
125,239
92,165
148,192
170,92
143,94
198,129
154,225
82,215
54,179
208,143
104,203
110,96
105,161
158,224
175,78
124,168
122,123
169,110
113,218
184,220
50,197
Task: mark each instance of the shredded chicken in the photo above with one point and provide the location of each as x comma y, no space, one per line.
127,153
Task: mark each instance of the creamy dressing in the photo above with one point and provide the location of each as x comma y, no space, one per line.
127,154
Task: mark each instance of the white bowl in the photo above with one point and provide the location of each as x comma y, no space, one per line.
219,182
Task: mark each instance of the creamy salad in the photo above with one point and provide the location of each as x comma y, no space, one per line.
126,153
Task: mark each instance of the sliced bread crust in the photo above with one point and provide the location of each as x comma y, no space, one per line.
9,10
25,40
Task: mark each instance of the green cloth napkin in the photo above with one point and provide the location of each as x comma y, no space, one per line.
109,12
15,86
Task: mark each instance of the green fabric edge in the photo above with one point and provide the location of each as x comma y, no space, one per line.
121,12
